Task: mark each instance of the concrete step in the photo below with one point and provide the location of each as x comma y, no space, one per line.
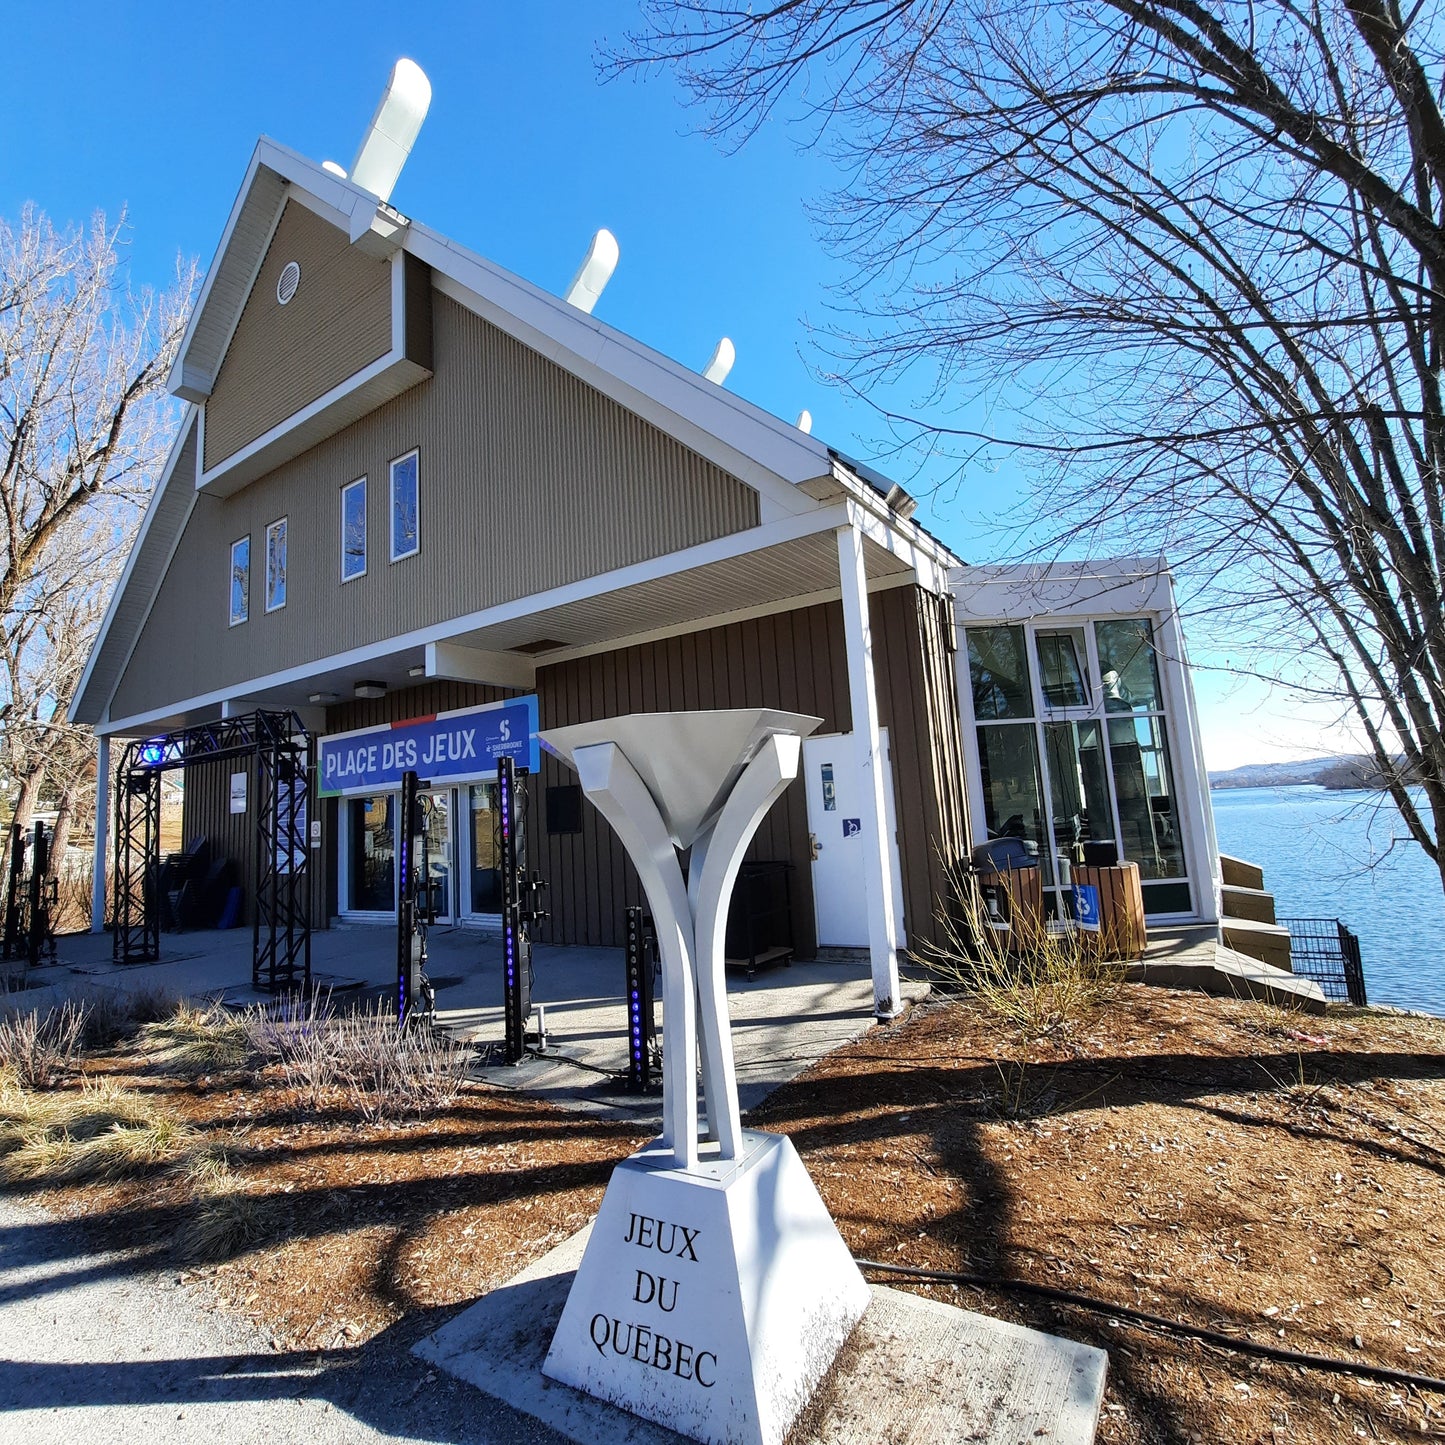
1214,969
1239,874
1267,942
1251,903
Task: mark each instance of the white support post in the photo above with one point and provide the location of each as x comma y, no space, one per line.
877,855
102,831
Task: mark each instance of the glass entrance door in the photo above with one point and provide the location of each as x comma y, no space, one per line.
435,854
485,892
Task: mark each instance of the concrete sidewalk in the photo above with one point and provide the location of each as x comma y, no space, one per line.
783,1020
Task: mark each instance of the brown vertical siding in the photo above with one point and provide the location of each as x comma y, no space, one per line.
530,479
207,814
282,358
794,660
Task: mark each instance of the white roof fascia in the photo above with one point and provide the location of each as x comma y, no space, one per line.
735,544
142,532
1024,591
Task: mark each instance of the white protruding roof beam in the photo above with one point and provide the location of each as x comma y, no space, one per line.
721,362
594,273
393,129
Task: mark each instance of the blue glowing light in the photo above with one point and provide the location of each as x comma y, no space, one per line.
153,754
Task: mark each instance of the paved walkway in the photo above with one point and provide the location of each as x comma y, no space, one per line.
782,1020
101,1349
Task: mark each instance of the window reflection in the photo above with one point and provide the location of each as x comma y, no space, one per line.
1012,798
1078,784
1127,665
998,670
486,854
1063,658
372,884
1142,780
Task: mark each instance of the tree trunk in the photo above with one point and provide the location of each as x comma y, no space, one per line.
64,817
24,809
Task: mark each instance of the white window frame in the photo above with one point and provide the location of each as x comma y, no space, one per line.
272,529
230,583
391,467
1165,713
365,550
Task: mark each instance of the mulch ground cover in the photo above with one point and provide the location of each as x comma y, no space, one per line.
1274,1176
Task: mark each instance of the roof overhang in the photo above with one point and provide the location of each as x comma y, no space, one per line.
782,567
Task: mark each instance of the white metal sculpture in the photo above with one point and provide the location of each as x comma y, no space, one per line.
715,1290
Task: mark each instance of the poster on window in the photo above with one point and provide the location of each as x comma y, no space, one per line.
291,830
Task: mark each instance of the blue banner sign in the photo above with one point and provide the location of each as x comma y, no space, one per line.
1086,907
451,746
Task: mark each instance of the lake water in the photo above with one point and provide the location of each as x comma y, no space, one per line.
1327,855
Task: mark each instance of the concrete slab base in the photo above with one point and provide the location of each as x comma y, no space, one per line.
915,1372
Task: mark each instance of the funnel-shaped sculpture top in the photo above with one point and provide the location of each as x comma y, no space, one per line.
688,760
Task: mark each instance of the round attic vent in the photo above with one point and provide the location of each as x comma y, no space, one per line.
287,282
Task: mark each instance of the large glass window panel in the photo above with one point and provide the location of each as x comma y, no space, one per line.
1128,668
405,504
437,852
276,565
1144,785
999,673
372,853
1063,665
486,854
353,530
240,580
1078,784
1012,794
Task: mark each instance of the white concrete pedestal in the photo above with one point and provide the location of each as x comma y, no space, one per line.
712,1300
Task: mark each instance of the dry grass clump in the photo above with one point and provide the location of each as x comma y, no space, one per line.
382,1072
41,1049
1044,984
98,1132
202,1040
226,1219
226,1222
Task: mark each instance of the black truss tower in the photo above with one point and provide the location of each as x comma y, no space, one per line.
281,746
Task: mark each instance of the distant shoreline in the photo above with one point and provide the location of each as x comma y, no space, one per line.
1339,774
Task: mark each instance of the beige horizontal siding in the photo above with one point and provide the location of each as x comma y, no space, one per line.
530,479
282,358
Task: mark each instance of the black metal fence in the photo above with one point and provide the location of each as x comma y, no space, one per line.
1324,950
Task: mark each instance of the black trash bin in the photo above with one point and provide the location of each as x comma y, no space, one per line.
760,918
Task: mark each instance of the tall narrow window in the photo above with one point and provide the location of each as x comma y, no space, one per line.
276,565
240,580
405,523
353,530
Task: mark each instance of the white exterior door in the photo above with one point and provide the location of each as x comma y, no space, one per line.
833,775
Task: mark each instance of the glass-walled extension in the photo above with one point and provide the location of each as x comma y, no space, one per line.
1073,752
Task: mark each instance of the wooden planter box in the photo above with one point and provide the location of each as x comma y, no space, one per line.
1023,888
1121,911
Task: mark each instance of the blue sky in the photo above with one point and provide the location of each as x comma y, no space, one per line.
525,153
